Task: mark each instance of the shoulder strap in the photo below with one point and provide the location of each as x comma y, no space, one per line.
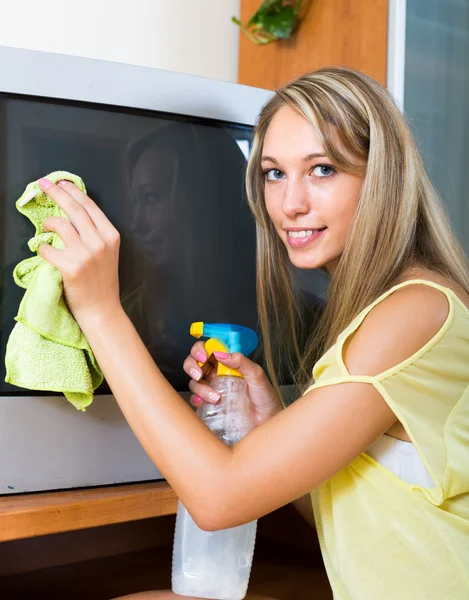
360,317
355,324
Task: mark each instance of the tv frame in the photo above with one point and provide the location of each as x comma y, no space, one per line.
45,443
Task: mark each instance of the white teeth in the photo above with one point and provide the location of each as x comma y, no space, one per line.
300,234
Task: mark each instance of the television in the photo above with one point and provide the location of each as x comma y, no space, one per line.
164,155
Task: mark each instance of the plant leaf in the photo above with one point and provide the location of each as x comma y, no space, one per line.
280,25
266,8
275,19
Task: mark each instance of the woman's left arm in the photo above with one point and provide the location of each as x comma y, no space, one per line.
276,463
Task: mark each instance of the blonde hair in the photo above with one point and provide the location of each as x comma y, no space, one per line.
399,221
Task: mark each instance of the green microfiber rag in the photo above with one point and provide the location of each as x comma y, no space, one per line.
47,349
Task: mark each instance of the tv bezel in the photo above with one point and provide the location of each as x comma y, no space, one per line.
46,443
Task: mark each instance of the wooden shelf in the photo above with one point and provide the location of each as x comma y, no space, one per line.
31,515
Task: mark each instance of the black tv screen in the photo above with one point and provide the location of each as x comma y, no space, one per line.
174,188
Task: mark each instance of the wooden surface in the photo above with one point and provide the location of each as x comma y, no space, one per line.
32,515
351,33
282,568
279,572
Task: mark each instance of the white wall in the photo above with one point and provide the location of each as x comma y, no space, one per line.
190,36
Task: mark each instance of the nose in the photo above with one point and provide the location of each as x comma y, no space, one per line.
139,220
295,201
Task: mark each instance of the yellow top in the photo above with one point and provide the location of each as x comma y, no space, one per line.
382,538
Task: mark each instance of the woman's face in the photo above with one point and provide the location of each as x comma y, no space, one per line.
311,204
153,222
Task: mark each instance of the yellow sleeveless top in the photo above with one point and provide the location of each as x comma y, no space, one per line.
385,539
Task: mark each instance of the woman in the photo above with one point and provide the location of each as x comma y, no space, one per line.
380,433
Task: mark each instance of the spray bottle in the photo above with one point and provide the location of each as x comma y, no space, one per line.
217,564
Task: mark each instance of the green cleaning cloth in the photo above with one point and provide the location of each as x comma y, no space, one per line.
47,349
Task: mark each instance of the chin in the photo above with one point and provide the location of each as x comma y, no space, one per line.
306,262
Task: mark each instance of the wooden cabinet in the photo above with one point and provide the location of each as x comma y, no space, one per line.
30,515
101,543
350,33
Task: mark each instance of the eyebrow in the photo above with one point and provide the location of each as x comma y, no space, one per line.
305,159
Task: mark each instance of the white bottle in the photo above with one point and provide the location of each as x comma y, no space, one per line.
216,564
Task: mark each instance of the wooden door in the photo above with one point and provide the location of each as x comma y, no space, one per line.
351,33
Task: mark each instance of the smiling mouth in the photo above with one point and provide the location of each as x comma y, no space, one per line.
304,233
300,238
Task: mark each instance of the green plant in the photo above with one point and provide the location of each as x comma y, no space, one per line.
274,20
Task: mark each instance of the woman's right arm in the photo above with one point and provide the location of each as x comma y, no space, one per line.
263,398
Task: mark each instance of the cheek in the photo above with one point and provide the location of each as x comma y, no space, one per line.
345,220
342,215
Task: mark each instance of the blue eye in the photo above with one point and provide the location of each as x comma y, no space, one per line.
323,171
273,174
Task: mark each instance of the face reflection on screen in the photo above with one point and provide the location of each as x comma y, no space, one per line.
153,182
185,257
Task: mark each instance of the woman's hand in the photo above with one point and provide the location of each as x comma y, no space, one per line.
265,403
89,261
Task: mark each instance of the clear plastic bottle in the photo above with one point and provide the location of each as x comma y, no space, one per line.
216,564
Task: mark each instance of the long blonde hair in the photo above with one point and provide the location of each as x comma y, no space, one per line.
399,220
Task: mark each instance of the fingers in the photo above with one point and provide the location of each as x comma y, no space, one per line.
67,232
78,214
101,222
70,238
198,385
53,255
204,391
68,265
192,368
252,372
195,400
198,352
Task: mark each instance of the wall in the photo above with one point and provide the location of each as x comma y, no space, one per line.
189,36
437,96
350,33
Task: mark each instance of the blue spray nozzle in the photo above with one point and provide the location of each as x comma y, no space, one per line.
235,338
